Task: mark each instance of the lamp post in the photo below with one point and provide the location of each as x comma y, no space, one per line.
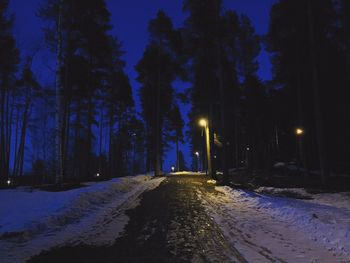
299,132
204,123
197,154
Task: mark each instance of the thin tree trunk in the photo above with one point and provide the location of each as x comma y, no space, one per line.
100,150
7,134
2,134
317,100
58,111
177,154
23,137
157,128
236,140
76,163
16,144
301,141
223,118
110,146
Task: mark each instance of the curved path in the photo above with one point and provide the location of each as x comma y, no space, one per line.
169,225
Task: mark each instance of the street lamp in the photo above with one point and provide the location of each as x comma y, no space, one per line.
172,168
197,154
299,131
204,123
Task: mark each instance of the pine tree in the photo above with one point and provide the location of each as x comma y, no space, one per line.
157,70
176,125
9,59
202,37
301,46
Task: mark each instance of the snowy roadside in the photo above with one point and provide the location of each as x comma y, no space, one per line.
268,228
31,222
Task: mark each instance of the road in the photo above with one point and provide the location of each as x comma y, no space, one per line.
169,225
178,222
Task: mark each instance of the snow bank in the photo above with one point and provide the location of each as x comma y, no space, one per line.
326,219
38,220
188,173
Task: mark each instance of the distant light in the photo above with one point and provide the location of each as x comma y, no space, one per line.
8,182
172,168
299,131
197,153
248,149
203,122
97,175
214,156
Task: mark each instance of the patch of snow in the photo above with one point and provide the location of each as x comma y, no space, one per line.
211,181
188,173
267,228
279,165
272,190
33,221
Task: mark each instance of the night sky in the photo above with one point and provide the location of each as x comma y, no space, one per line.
130,20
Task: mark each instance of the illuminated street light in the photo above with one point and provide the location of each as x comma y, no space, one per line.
172,168
8,182
299,131
204,124
197,154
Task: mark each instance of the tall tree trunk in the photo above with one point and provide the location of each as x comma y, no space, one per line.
89,137
110,145
77,144
177,154
16,144
148,150
301,118
7,134
225,175
236,139
58,111
157,133
100,146
2,134
23,137
317,98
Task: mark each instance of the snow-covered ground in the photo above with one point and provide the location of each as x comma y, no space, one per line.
33,221
273,229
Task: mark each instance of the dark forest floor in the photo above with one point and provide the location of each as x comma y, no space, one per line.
280,178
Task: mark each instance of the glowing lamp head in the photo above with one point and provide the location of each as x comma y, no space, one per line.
97,175
196,153
203,122
299,131
8,182
172,168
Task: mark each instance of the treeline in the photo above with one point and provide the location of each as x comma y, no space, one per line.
86,125
301,115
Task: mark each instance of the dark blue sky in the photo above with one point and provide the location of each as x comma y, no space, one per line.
130,20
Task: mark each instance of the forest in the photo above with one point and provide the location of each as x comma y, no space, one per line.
86,126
